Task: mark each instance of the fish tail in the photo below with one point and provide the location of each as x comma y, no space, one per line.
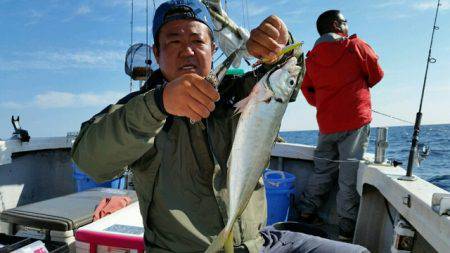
229,247
225,236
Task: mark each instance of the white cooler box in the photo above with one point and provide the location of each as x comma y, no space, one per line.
56,219
121,231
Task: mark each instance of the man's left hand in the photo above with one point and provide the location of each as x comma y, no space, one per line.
268,39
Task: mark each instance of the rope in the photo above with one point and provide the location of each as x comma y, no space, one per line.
392,117
243,13
387,164
246,13
146,28
334,161
131,23
354,160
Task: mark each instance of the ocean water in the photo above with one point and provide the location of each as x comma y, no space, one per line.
435,169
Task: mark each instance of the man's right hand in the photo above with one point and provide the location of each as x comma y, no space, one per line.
191,96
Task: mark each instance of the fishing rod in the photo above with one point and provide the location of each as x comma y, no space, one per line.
415,138
215,13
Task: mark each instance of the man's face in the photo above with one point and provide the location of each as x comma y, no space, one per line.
185,46
341,24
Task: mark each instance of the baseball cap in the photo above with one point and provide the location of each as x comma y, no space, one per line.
180,9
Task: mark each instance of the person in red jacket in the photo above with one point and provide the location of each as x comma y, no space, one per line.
340,70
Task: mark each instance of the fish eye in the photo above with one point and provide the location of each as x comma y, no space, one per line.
291,82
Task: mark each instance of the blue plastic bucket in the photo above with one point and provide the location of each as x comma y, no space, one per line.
84,182
276,179
279,189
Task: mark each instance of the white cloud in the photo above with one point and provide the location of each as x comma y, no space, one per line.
445,5
281,2
83,10
91,59
137,5
398,16
80,11
34,17
141,29
54,99
389,3
255,9
295,13
87,57
12,105
110,43
57,99
35,14
395,8
439,88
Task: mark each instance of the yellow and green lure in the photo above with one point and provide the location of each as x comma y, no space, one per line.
280,53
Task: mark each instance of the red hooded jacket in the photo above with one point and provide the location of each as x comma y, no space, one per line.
338,76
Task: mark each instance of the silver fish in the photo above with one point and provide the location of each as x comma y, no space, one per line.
258,126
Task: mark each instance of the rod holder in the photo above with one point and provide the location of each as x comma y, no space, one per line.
381,145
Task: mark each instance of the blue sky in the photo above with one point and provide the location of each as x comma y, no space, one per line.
63,61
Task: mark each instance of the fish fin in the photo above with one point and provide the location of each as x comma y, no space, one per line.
268,94
240,106
261,93
220,241
234,114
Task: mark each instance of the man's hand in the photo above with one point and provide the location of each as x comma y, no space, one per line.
268,39
191,96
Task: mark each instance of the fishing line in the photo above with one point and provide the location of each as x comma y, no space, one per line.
390,116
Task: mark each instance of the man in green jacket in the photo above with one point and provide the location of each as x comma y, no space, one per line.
180,168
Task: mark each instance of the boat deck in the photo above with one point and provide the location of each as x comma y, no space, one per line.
41,169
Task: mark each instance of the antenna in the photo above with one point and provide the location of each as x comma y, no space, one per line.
415,138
